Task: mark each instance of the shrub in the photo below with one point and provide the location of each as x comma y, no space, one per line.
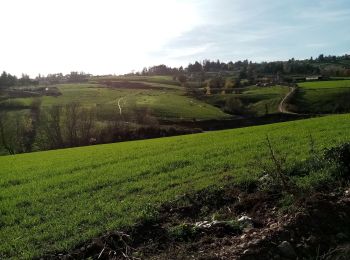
340,156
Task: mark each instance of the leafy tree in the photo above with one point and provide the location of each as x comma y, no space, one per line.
234,106
196,67
7,80
182,79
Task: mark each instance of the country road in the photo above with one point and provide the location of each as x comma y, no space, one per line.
281,106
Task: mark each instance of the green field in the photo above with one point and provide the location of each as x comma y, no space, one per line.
259,100
151,79
322,97
165,101
51,201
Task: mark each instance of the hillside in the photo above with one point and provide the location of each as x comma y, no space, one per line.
52,201
322,97
250,101
163,100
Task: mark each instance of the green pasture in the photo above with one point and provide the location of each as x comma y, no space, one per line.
165,102
152,79
321,97
52,201
325,84
257,99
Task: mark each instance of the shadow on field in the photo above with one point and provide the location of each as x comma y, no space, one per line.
209,125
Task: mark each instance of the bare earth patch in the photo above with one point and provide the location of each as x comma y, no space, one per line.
231,223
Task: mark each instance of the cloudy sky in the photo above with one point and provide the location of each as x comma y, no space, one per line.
115,36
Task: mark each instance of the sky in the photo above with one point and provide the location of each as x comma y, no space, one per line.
116,37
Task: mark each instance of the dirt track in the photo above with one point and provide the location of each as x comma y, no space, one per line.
281,106
119,106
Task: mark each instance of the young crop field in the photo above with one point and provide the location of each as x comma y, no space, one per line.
164,101
151,79
322,97
51,201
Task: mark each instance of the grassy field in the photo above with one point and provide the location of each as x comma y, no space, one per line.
52,201
151,79
165,101
322,97
259,100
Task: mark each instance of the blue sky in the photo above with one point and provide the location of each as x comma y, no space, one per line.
114,36
266,30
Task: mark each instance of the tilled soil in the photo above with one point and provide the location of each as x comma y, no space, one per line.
205,226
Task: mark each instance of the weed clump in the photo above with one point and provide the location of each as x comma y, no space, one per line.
340,156
183,232
323,170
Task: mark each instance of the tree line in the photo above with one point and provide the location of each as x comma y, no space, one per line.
322,65
72,125
7,80
326,65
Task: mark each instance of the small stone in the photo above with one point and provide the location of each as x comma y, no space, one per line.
287,250
247,252
247,229
243,236
264,178
254,242
299,245
244,219
243,245
82,249
274,225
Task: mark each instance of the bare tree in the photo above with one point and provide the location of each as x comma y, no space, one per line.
51,127
87,118
3,135
71,122
12,129
30,132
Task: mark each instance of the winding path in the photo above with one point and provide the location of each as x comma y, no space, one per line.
119,106
281,106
